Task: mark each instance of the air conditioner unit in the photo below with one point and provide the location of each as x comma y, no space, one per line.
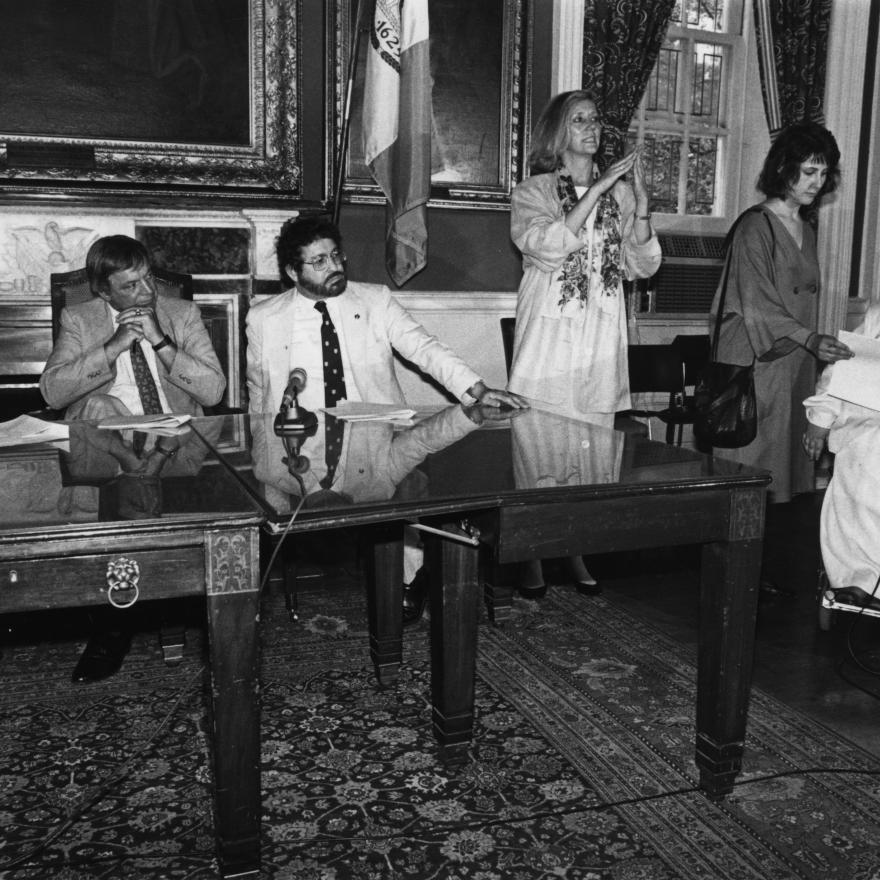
689,273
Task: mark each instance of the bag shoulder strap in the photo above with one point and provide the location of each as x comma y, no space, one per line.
719,315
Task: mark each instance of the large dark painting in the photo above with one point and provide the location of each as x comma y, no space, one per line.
149,92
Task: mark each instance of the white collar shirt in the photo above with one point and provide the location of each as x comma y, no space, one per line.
125,386
307,351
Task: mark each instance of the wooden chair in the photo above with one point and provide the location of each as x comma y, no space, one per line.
659,369
508,328
70,288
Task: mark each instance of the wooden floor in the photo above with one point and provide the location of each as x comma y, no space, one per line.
799,664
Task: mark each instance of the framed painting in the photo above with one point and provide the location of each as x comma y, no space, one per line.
223,315
196,94
481,72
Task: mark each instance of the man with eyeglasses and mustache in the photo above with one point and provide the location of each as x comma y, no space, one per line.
358,326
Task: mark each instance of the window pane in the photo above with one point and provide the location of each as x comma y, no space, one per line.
661,159
708,70
661,91
702,165
706,15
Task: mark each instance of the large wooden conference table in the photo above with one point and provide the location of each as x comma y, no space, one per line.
485,492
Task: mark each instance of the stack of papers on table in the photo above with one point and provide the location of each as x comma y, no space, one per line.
165,424
858,379
370,412
27,429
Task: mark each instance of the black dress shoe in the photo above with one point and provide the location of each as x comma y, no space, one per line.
588,588
415,597
533,592
102,656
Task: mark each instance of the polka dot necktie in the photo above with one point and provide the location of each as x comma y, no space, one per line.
334,391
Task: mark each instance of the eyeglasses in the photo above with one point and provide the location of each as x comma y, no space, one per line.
319,264
581,123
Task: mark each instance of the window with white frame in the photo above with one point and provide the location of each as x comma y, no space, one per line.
689,119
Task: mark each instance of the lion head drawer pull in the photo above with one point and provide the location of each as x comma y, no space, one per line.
122,582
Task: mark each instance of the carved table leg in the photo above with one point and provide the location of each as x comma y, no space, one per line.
455,605
233,600
729,586
384,579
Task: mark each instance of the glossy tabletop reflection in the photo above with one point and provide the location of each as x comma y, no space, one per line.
92,479
454,460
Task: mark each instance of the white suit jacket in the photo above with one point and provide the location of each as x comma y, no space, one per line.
374,326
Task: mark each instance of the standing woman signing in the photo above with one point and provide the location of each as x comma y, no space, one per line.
581,232
770,309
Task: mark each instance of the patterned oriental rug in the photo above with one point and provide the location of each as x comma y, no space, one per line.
582,766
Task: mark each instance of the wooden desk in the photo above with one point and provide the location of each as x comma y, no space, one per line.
205,543
539,485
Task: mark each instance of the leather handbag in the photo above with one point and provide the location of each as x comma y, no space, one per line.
725,406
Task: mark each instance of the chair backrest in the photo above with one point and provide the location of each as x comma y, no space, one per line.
508,328
70,288
694,351
655,368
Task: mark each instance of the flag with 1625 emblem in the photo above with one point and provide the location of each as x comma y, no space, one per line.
397,128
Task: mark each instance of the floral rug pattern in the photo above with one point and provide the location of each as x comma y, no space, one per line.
582,766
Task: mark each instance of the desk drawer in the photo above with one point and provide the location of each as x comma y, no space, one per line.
68,581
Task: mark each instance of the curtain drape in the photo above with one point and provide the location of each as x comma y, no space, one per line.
792,44
621,41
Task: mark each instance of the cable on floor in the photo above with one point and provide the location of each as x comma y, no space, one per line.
114,780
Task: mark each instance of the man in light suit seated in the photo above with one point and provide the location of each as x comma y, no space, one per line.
90,370
103,344
285,333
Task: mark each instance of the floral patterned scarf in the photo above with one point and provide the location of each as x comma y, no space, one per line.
578,268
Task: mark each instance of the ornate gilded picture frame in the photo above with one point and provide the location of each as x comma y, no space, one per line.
481,72
142,96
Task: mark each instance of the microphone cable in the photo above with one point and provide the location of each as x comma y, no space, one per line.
279,540
101,790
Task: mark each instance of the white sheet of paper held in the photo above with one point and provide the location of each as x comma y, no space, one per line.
858,379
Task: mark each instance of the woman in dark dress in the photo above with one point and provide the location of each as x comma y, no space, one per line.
770,308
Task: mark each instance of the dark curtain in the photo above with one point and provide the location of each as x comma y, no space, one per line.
792,49
621,41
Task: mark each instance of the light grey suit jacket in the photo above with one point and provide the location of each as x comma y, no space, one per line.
78,366
374,326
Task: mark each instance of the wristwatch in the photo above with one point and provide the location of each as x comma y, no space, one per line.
165,340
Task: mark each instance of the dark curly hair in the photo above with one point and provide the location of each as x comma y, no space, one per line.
795,144
298,233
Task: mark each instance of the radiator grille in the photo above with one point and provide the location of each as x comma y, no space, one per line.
700,247
689,273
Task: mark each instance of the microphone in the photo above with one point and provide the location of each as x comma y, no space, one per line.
295,383
292,418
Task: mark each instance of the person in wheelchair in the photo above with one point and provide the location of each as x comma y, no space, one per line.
849,528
